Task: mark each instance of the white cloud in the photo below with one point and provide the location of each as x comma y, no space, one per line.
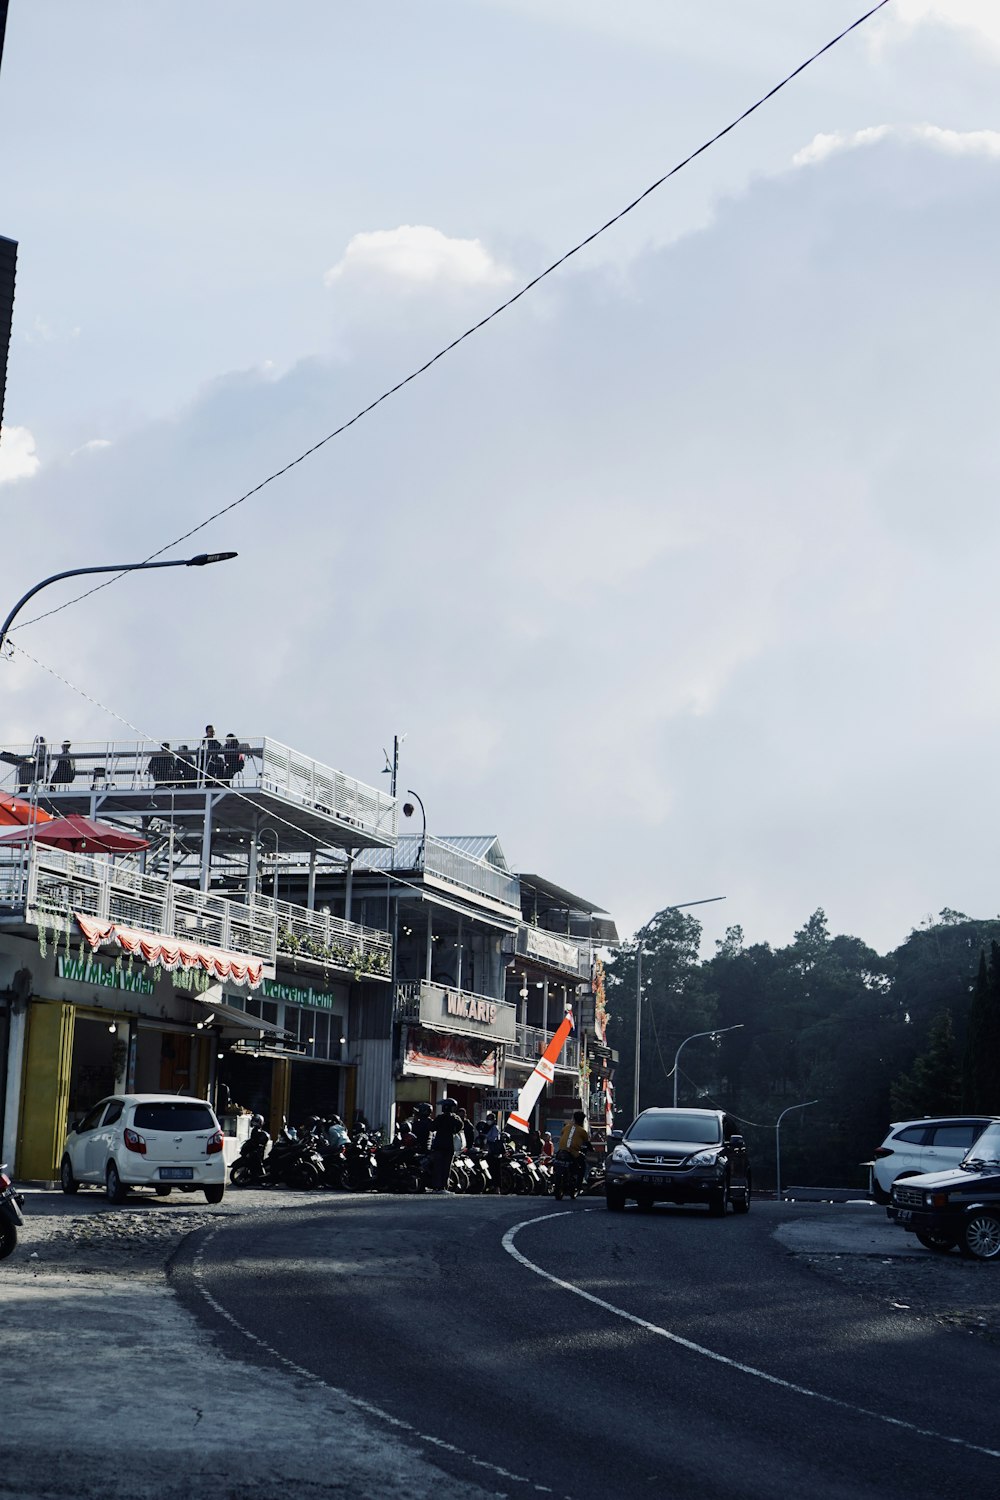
954,142
92,446
415,255
982,16
18,459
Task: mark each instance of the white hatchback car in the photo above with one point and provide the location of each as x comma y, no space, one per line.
934,1144
158,1141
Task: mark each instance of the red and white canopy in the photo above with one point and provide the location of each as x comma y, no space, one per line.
171,954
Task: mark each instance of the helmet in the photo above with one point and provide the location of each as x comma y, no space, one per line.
256,1121
423,1109
491,1119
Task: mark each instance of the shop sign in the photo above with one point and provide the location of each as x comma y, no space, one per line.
291,994
500,1099
456,1010
89,971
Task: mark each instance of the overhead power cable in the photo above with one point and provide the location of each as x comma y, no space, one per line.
475,327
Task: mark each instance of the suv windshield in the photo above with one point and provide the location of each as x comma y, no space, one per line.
667,1126
184,1115
987,1148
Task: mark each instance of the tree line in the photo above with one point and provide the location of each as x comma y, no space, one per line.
872,1038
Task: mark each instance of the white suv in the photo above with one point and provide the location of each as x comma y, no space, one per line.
158,1141
934,1144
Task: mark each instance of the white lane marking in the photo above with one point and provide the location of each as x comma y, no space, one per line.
723,1359
368,1407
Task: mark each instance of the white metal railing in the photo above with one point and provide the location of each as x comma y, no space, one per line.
257,763
572,954
476,875
322,939
48,885
531,1042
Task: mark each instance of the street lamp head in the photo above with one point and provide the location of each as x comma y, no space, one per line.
408,809
204,558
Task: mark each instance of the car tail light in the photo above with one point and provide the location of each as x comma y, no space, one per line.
882,1151
4,1182
134,1142
214,1144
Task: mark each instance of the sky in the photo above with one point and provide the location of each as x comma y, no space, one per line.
679,576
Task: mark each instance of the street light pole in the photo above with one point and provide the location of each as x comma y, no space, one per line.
716,1031
777,1143
200,561
408,813
640,939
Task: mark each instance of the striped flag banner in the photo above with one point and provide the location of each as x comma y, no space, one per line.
544,1073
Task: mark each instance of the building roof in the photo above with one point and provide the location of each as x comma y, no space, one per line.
553,897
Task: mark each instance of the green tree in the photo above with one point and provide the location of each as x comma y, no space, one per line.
934,1084
981,1068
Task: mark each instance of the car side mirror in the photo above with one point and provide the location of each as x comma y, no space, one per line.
737,1141
616,1135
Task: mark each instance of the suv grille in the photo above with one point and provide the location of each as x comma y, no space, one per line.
907,1197
650,1160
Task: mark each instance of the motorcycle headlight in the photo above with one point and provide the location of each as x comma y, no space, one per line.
622,1153
704,1158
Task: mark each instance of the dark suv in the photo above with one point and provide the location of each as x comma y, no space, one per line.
679,1156
961,1207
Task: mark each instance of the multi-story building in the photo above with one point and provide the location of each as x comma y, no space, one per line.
274,947
176,969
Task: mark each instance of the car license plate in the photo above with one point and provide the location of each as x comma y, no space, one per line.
902,1214
650,1178
176,1174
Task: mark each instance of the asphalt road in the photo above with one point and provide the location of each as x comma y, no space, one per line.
525,1348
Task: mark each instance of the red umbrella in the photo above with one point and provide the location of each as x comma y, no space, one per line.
15,812
82,835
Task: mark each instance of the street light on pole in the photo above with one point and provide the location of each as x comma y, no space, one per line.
777,1143
408,811
715,1031
640,939
201,561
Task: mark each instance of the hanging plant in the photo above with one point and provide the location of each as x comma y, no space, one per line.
42,944
119,966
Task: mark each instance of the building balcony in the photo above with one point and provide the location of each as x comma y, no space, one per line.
555,951
45,887
263,779
531,1041
450,872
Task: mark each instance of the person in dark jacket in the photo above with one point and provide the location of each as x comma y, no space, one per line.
65,769
468,1129
421,1126
443,1145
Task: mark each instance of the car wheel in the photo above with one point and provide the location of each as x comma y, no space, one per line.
741,1204
69,1182
614,1200
718,1202
8,1239
214,1192
980,1237
113,1186
940,1242
644,1205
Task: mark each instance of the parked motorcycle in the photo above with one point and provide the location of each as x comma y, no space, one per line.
361,1164
11,1217
250,1167
398,1168
294,1162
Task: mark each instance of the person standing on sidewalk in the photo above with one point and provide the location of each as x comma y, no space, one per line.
443,1145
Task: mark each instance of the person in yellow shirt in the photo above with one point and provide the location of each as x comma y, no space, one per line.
570,1164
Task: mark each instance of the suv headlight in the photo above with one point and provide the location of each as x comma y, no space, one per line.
622,1153
704,1158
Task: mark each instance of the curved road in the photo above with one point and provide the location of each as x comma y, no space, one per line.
526,1347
